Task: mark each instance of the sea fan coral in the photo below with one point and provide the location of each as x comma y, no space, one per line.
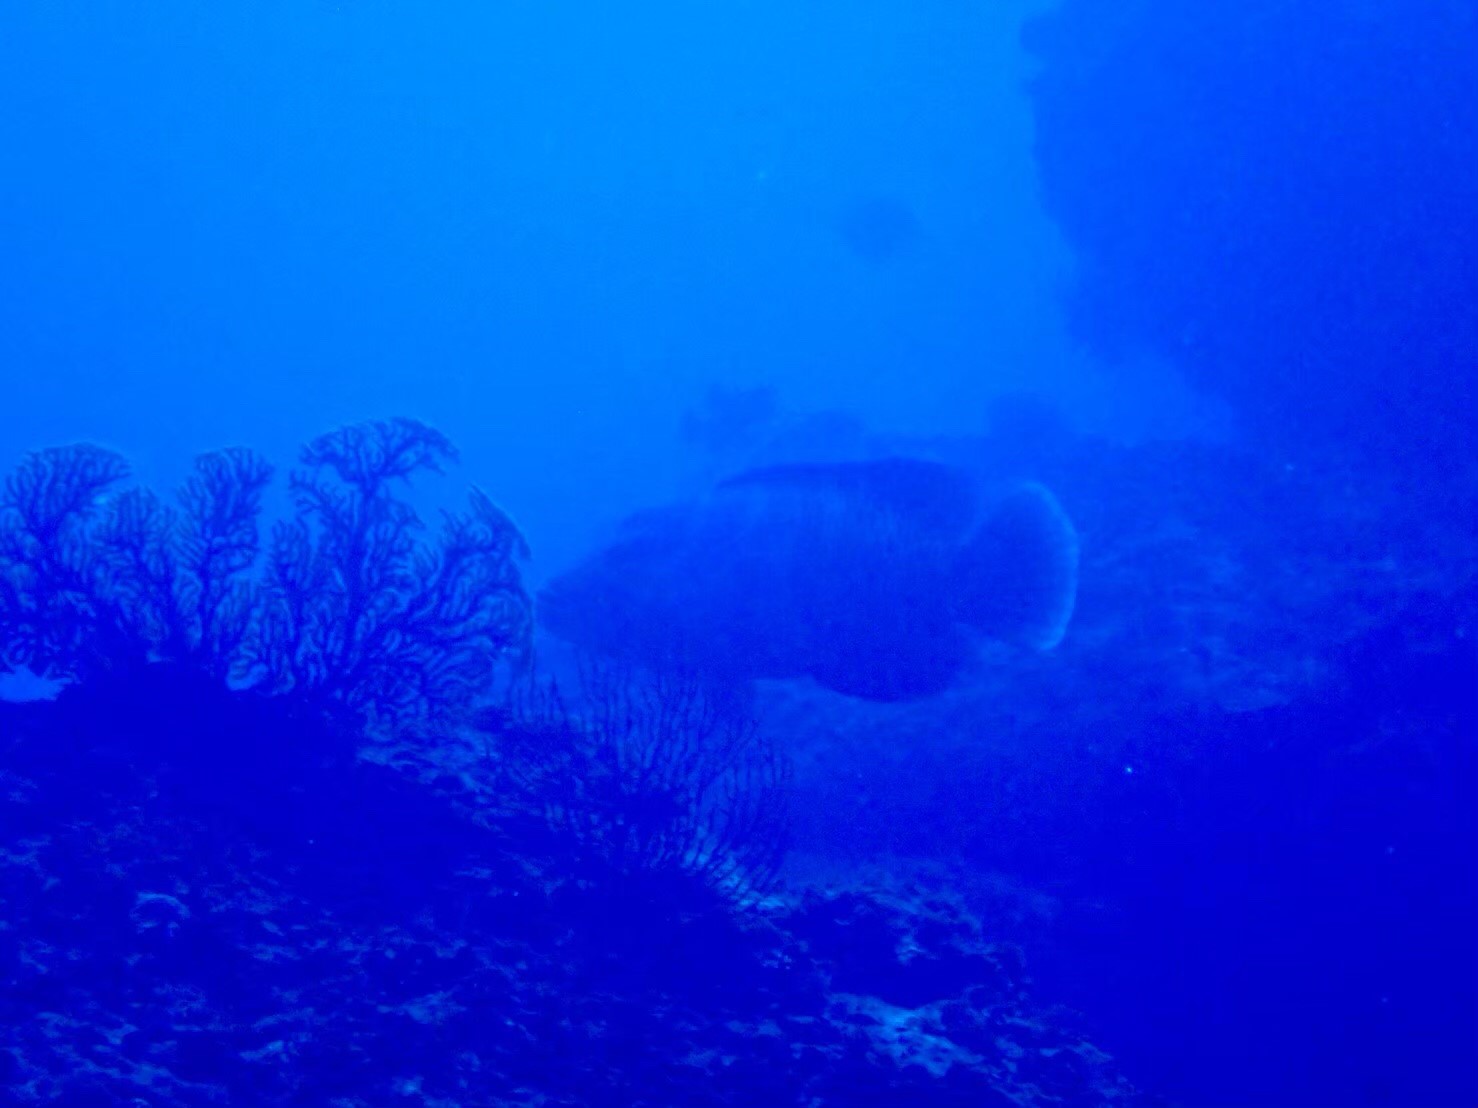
350,606
360,610
95,579
649,782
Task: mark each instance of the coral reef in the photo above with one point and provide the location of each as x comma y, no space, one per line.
1239,798
281,948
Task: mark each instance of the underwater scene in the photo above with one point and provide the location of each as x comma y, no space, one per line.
823,553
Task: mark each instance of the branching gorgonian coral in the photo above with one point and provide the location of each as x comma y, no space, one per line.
352,605
360,609
95,578
649,782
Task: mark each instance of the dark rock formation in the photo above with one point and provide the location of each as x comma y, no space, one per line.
1277,199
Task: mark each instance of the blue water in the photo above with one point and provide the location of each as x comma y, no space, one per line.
978,555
